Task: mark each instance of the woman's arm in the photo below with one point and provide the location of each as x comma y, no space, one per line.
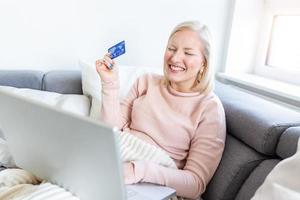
114,111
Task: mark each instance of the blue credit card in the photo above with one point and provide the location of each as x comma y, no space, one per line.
117,50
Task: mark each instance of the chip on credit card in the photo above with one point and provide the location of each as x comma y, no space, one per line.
117,50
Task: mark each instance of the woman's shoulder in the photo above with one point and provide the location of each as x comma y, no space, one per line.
214,97
211,100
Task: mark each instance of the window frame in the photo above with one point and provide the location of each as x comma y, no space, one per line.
272,9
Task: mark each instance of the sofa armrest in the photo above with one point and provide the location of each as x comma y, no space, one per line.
288,142
256,121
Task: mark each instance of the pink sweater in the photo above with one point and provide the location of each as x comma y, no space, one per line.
189,127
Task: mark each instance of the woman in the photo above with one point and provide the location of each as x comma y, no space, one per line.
177,112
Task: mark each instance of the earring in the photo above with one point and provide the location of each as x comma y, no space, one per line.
199,76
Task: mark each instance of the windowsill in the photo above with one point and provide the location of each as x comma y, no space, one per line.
284,92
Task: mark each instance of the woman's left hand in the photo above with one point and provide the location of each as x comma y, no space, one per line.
128,170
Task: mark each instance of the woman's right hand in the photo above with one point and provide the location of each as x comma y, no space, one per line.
106,68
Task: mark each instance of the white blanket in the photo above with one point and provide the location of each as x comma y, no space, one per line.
283,182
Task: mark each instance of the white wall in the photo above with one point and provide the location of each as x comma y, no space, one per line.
55,34
243,37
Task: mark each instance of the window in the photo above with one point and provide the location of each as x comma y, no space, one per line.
263,53
284,43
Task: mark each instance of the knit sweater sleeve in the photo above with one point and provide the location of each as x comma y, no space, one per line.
114,111
205,153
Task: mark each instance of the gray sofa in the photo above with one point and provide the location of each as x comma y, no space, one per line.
260,133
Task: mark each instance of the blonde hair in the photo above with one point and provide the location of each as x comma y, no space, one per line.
206,78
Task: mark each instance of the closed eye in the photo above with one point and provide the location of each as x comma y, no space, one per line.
171,49
189,54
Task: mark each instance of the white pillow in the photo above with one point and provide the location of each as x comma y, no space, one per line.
91,87
74,103
91,83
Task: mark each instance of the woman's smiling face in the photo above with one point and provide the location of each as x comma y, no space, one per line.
183,60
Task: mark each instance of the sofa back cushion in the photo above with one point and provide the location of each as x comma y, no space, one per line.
22,78
65,82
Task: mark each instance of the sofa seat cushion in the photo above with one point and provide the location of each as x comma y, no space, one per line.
254,120
287,145
237,162
22,78
256,178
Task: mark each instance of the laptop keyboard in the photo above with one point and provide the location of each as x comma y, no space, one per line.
131,193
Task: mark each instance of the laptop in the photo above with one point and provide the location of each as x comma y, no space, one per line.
74,152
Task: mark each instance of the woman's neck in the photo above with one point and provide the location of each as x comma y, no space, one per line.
184,87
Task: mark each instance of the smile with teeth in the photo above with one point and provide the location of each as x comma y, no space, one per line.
176,68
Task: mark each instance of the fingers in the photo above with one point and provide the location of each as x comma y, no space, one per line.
108,61
128,171
99,65
99,62
106,68
104,64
